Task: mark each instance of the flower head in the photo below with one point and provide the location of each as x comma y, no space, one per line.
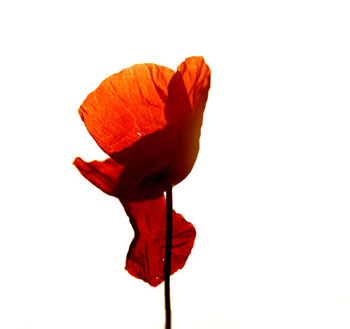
148,119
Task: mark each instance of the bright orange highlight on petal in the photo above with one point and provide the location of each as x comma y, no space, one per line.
127,106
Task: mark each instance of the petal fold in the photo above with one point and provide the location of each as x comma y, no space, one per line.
103,174
188,94
145,259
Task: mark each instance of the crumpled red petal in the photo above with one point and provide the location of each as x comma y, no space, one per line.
148,219
127,106
145,259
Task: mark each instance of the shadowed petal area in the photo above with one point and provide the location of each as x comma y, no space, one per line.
188,94
145,259
145,163
127,106
108,176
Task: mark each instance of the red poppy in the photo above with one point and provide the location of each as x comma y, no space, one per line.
148,118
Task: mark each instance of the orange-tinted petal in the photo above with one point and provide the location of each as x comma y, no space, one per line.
127,106
145,259
105,175
188,93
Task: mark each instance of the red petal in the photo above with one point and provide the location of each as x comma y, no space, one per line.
105,175
127,106
109,176
188,93
145,259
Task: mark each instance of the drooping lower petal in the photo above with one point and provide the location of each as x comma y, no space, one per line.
145,259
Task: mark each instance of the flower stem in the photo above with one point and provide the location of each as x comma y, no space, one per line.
167,262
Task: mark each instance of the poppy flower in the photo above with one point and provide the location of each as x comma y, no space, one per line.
148,119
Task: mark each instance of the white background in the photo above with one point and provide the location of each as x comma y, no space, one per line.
269,194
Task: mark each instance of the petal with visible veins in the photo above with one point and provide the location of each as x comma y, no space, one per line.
127,106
